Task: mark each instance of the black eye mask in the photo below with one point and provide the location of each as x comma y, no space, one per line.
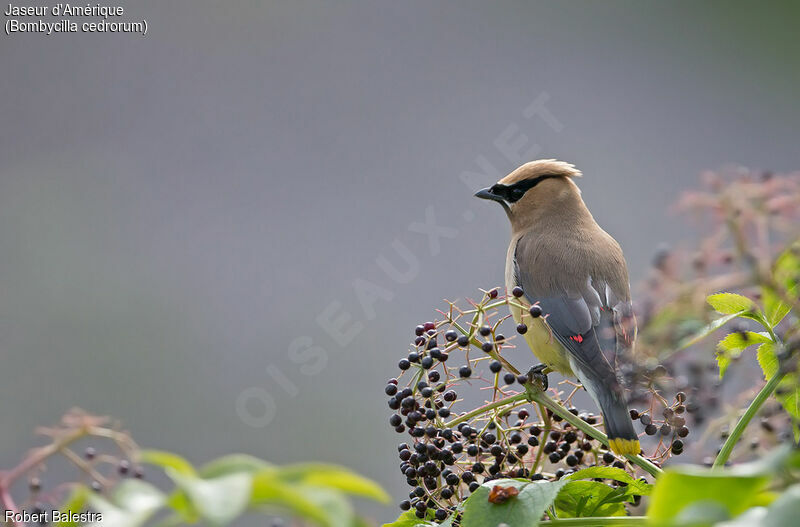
513,193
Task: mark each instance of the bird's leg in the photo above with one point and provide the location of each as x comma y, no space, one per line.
538,374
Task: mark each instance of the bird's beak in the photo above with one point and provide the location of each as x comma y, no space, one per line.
487,193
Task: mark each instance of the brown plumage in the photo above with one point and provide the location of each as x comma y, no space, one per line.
576,272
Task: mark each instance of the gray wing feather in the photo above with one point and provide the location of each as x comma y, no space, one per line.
585,314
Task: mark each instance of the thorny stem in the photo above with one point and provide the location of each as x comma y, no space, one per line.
534,395
547,425
741,425
514,400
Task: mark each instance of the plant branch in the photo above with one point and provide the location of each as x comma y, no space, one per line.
741,425
542,398
519,398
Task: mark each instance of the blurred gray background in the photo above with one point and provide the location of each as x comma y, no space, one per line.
176,209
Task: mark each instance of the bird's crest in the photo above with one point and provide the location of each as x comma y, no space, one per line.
541,167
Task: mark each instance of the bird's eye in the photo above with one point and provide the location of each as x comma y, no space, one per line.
516,194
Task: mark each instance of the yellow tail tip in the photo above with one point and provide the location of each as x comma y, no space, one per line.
624,447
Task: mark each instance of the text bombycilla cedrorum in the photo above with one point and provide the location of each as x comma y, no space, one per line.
563,260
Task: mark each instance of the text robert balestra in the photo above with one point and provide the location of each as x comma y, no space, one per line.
43,517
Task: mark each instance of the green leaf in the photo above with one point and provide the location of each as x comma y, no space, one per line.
524,510
168,460
218,500
339,511
730,303
785,510
768,359
702,514
788,390
680,487
774,308
741,340
706,331
132,503
591,498
232,463
734,344
407,519
723,361
787,268
635,486
76,503
334,477
300,500
179,502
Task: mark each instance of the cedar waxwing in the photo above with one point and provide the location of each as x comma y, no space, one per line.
576,272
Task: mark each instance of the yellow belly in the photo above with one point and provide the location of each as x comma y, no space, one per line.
541,341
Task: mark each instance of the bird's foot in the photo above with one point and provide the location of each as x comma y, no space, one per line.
538,375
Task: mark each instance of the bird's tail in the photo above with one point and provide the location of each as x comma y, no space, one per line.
622,437
609,396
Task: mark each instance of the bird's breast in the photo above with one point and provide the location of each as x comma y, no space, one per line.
540,338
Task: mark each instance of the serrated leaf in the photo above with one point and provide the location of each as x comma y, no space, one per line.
775,309
788,390
580,499
635,486
768,359
741,340
334,477
723,362
218,500
524,510
734,344
730,303
168,460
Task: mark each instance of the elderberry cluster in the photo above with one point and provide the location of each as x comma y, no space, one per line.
449,401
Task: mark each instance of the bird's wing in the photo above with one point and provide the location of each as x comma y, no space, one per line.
585,308
585,314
